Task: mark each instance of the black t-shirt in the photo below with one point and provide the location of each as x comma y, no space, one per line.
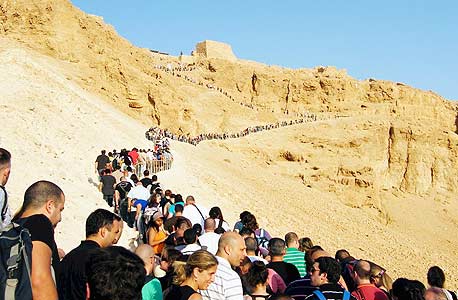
72,277
179,292
146,181
123,188
41,229
287,271
108,182
102,160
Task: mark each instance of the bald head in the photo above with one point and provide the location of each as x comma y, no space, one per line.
231,247
146,253
363,270
209,225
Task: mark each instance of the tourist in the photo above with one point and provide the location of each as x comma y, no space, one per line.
325,274
191,244
102,229
305,244
195,275
287,271
120,198
365,290
221,225
255,282
156,233
210,239
114,273
5,169
40,213
168,258
436,278
151,290
230,254
108,186
194,212
101,163
381,279
293,255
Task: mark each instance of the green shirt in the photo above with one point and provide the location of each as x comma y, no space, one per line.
152,290
297,258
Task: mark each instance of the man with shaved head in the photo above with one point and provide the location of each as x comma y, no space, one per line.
210,239
227,285
365,289
152,289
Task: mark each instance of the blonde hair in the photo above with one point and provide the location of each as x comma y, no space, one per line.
380,273
201,259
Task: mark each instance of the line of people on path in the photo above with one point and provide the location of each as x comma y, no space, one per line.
157,133
184,251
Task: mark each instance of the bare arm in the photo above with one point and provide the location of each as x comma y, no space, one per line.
43,286
151,234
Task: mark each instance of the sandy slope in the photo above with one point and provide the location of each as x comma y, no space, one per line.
55,129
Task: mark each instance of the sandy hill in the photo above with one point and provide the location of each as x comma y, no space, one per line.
380,182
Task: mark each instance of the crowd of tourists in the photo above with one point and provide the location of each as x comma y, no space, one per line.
157,133
183,251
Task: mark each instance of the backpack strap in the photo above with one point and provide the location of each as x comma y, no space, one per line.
5,203
198,211
320,295
346,295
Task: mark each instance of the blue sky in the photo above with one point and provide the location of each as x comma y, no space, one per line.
414,42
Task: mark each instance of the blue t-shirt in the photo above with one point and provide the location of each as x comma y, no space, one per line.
142,202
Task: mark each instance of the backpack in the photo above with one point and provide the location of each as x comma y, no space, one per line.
15,263
5,204
220,229
262,239
319,294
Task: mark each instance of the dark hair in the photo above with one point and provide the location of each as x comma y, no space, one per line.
190,236
5,158
98,219
146,173
329,266
436,277
178,198
243,214
170,255
341,254
182,220
257,274
103,151
198,228
134,178
129,169
216,213
309,253
305,243
38,194
251,244
250,222
179,208
115,273
154,178
405,289
246,231
276,246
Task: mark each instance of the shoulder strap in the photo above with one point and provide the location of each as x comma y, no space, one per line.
5,203
319,294
198,211
346,295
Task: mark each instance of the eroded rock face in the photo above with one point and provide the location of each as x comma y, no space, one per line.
414,150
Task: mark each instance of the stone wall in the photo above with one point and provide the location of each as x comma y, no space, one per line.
213,49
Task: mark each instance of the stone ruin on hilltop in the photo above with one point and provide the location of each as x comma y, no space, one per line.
213,49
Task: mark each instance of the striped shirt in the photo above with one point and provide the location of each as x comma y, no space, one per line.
227,284
297,258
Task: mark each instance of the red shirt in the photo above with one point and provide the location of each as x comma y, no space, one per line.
369,292
134,156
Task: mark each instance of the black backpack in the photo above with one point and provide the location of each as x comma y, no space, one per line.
5,204
15,263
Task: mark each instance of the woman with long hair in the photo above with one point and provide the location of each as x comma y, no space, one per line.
255,282
381,279
196,274
216,214
156,233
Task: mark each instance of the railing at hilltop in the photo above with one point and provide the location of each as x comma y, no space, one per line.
153,166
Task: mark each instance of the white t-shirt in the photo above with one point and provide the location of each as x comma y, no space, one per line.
138,192
210,240
190,212
7,217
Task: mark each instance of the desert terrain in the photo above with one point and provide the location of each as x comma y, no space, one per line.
380,181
